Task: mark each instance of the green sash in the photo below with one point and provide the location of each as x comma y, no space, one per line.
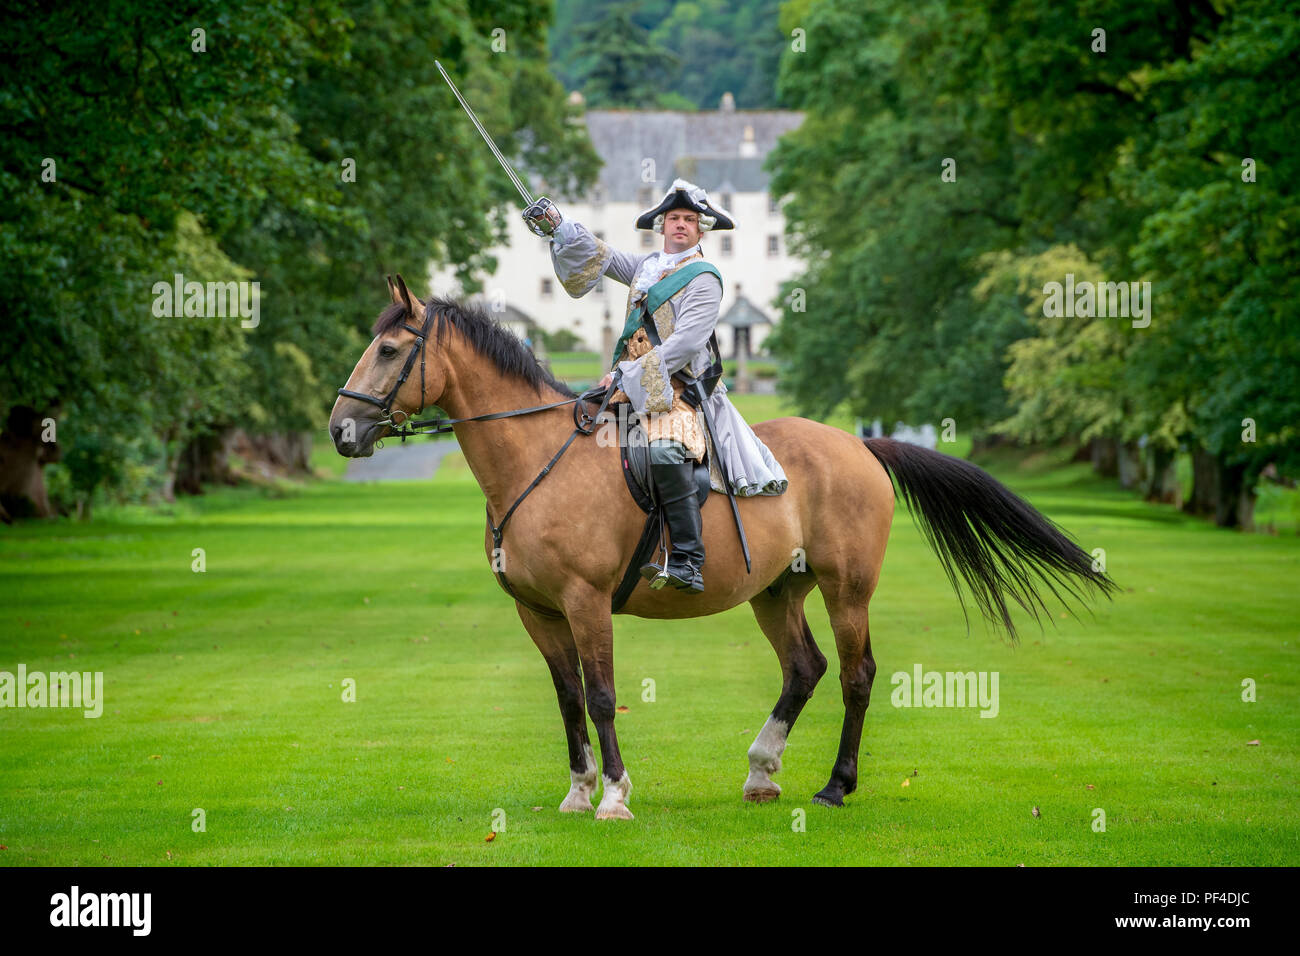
659,293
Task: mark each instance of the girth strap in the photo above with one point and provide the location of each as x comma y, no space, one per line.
583,425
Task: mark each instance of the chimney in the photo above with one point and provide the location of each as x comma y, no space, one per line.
728,103
747,145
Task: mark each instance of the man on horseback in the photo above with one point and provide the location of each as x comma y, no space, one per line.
667,363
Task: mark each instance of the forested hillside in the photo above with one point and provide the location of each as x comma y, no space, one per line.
673,54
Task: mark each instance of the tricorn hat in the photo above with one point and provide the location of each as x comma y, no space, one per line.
684,195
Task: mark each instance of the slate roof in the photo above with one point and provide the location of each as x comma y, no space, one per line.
743,314
706,142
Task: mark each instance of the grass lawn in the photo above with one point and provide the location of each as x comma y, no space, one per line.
223,691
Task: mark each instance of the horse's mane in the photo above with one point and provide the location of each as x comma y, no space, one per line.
489,338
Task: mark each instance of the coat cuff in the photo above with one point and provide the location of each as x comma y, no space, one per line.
648,387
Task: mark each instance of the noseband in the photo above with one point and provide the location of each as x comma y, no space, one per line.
385,404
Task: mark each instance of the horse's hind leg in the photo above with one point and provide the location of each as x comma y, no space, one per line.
802,665
555,640
846,603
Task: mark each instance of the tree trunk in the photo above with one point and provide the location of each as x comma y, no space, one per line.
1205,483
275,454
1105,457
1246,508
1162,476
1129,462
23,455
204,459
1234,506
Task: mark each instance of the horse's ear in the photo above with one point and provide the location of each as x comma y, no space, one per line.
405,295
392,290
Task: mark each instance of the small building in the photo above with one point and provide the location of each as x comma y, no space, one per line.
643,151
742,319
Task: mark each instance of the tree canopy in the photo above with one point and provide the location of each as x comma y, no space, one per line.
308,147
669,54
959,156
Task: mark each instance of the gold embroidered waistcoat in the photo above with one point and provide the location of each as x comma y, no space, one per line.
681,422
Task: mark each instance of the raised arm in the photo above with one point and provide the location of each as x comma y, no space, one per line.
580,259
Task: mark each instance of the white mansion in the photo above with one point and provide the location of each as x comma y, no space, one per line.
643,152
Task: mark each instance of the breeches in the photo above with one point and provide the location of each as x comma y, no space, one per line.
666,451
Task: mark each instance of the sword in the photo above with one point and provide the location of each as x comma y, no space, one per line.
523,191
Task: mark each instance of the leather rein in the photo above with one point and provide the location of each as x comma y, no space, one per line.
583,424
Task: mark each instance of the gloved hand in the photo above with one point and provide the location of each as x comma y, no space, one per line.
543,217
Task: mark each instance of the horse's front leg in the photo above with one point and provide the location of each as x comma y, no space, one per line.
593,635
555,640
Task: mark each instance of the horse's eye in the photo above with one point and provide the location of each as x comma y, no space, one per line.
387,351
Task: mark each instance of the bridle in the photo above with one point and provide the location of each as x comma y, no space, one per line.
583,424
385,404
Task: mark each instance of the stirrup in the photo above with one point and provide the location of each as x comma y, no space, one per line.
655,574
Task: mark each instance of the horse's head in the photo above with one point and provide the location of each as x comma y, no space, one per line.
394,379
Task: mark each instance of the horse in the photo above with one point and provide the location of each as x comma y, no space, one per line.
828,530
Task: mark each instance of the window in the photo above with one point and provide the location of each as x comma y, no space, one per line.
773,206
646,195
647,240
546,288
773,245
726,201
726,245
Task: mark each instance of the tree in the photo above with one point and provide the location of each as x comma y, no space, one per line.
1123,154
214,140
626,68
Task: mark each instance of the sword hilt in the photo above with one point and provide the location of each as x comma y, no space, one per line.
543,217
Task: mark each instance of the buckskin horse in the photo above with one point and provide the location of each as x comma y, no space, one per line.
516,427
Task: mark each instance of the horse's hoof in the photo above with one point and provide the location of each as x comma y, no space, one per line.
570,805
763,794
829,798
619,812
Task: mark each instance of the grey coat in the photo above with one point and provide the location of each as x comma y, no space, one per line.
580,259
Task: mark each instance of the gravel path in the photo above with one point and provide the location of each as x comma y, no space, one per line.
413,460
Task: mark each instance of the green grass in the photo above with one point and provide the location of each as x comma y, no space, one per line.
223,692
578,369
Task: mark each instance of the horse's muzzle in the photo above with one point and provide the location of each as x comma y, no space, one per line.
356,441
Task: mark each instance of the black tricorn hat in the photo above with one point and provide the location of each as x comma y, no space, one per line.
684,195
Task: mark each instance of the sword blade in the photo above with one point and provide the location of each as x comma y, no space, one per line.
527,196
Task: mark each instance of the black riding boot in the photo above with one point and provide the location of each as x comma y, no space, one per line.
676,484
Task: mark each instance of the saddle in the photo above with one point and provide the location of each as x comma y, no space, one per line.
634,453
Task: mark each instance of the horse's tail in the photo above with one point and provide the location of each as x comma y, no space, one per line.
992,537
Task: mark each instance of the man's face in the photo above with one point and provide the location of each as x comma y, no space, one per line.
681,230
